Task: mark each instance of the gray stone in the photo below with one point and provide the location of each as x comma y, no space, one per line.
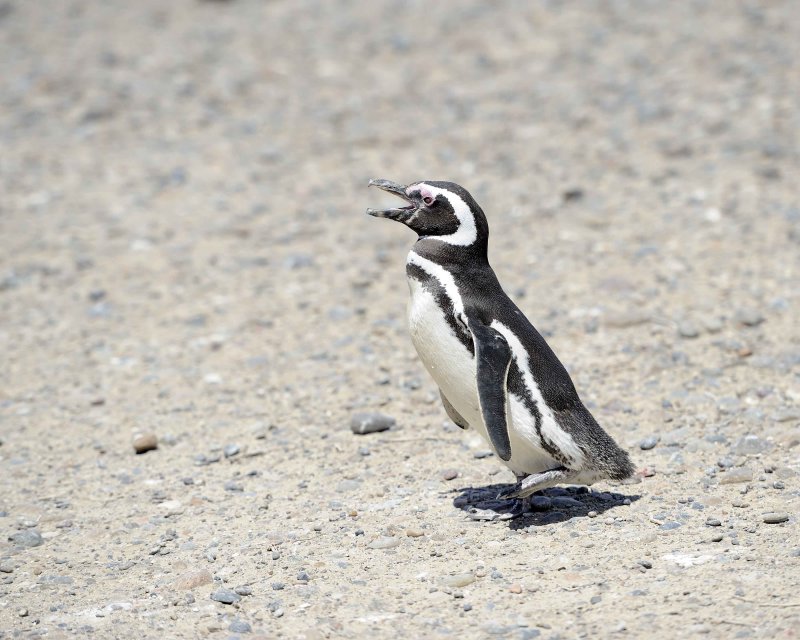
233,486
364,423
384,542
750,445
226,596
480,455
776,517
244,591
649,442
713,522
688,329
749,317
733,476
278,586
27,538
458,580
239,626
669,526
6,566
231,450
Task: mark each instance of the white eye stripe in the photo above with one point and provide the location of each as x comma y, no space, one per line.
467,231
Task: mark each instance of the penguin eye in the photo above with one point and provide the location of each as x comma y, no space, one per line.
428,200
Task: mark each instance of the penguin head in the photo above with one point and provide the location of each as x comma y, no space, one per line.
438,210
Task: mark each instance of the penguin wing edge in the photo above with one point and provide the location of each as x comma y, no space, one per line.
493,356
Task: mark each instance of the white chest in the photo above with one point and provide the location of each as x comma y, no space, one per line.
445,357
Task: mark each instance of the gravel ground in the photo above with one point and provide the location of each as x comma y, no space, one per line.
185,264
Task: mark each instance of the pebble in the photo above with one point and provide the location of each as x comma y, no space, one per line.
278,586
244,591
645,563
776,517
449,474
384,542
713,522
226,596
480,455
749,317
592,514
144,442
515,588
363,423
240,626
6,566
231,450
688,329
750,445
415,533
231,485
717,537
734,476
192,579
458,580
649,442
467,607
27,538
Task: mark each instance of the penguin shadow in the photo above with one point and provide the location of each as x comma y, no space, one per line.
549,506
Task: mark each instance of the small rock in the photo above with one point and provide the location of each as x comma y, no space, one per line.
415,533
750,445
244,591
733,476
363,423
713,522
649,442
749,317
384,542
449,474
231,485
192,579
226,596
231,450
6,566
515,588
776,517
480,455
278,613
239,626
278,586
144,442
27,538
458,580
688,329
645,563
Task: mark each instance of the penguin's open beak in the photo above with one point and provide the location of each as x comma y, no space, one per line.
400,213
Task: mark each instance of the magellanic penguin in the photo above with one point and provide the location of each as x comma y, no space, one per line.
496,374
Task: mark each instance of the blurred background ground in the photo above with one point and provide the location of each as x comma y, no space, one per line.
183,252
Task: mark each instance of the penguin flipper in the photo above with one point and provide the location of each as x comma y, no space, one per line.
454,415
493,356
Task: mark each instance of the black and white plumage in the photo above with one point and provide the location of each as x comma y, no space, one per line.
495,372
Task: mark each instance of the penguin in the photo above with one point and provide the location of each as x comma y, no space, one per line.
495,372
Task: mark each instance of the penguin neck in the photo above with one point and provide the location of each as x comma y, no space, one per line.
446,254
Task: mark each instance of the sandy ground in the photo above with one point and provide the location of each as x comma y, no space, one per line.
184,253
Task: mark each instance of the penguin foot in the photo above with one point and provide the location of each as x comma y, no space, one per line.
538,481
